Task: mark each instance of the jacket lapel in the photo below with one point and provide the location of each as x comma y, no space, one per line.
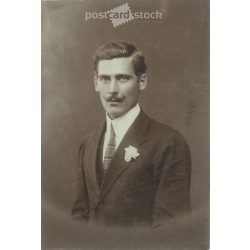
91,171
135,136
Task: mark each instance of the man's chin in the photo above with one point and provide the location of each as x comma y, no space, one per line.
115,113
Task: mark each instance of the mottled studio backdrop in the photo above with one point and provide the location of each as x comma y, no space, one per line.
177,54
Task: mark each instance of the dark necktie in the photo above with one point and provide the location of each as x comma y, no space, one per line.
110,150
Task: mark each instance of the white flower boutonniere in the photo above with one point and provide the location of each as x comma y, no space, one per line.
131,152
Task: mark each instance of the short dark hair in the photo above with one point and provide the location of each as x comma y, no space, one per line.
116,49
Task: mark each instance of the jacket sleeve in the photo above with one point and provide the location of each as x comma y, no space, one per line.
80,209
172,172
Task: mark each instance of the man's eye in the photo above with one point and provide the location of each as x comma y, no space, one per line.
123,78
105,79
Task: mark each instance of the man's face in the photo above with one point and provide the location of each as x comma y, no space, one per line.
118,85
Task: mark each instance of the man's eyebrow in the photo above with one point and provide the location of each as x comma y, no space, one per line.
103,75
119,75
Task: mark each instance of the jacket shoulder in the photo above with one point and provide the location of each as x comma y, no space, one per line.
163,131
168,145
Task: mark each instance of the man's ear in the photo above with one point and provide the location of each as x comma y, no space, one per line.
143,82
96,83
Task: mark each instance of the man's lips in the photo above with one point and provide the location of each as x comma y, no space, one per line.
114,103
114,99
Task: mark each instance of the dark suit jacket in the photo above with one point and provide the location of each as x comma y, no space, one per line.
151,190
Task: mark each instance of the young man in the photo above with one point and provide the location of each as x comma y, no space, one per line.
135,171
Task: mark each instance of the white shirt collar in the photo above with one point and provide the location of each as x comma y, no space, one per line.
122,123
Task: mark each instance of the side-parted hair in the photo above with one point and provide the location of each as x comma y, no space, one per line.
116,49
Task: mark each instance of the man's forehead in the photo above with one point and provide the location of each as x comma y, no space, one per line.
121,65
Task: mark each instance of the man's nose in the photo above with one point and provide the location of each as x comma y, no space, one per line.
113,87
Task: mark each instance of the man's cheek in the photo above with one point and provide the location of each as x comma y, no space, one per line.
126,91
129,92
102,91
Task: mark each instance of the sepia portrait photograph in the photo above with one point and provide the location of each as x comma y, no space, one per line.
125,124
